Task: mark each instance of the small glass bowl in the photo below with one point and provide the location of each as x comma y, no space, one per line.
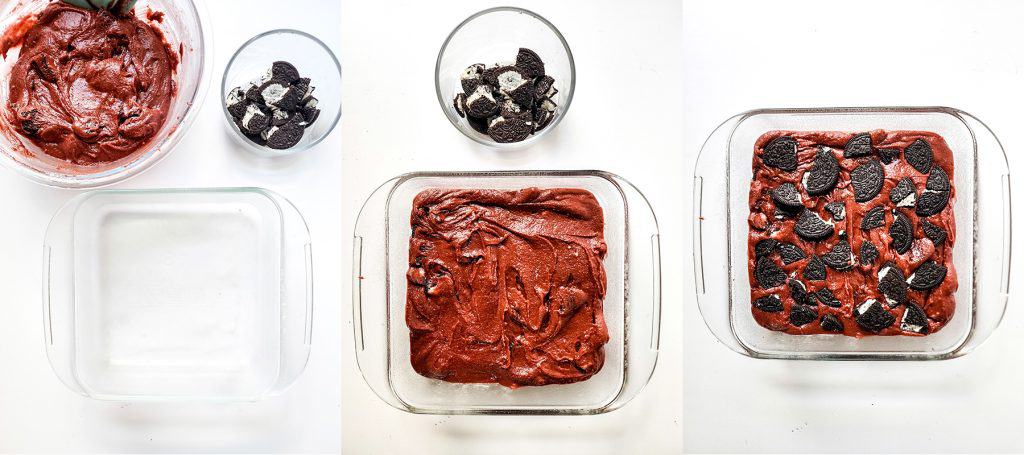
496,34
311,57
185,26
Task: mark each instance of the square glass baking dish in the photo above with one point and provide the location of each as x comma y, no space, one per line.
721,189
190,294
632,305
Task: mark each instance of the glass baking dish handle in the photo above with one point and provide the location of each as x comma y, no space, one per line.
993,241
711,234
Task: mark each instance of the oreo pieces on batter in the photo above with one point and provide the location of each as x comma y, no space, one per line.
787,197
868,253
871,316
928,275
858,146
780,153
801,315
892,284
768,274
827,298
938,180
798,292
815,270
830,323
840,257
935,196
837,209
919,155
765,247
934,233
867,180
873,218
888,155
914,319
824,173
790,253
902,232
904,194
768,304
809,226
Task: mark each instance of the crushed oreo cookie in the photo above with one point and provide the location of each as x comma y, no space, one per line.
275,110
508,102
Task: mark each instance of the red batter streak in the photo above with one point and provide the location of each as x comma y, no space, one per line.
89,87
851,287
507,286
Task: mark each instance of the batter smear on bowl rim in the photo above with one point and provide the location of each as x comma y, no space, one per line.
507,286
89,87
852,233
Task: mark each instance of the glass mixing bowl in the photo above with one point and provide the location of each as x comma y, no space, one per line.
494,35
185,26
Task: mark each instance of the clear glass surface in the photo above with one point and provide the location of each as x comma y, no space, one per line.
721,186
495,35
178,294
311,57
185,27
632,306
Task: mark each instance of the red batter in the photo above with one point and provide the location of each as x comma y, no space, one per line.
89,87
861,282
507,286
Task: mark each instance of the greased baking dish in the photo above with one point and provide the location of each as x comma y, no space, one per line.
200,294
631,307
721,187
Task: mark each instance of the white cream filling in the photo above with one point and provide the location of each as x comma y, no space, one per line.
250,113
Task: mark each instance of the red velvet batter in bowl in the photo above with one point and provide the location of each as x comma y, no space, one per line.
507,286
860,283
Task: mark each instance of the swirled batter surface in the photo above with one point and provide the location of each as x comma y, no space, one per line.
507,286
89,87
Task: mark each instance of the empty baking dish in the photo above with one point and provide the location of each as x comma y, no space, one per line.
721,208
178,294
632,306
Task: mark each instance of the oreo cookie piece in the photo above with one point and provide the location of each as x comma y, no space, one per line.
934,233
507,130
279,95
830,323
790,253
472,77
765,247
919,155
460,105
787,197
310,112
780,154
840,257
284,71
815,270
768,304
824,173
938,180
914,319
837,209
478,124
873,218
256,138
305,89
28,122
253,94
858,146
927,276
542,117
901,231
904,194
513,83
932,202
768,274
798,292
236,102
827,298
868,253
508,108
255,120
544,88
871,316
888,155
892,284
530,63
867,180
481,103
280,117
810,226
800,315
286,136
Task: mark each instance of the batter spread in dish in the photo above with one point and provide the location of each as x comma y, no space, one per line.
88,86
507,286
852,233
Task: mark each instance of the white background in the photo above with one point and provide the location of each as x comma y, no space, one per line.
38,414
625,118
743,55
